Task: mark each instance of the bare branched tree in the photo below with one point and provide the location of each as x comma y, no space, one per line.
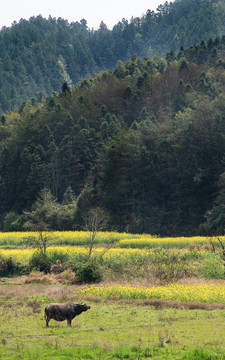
95,220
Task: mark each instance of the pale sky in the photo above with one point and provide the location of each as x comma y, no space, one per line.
94,11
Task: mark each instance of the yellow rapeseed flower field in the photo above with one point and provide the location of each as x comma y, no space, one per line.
123,240
19,255
168,242
108,256
111,255
207,293
61,237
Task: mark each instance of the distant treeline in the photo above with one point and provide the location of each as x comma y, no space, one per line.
38,55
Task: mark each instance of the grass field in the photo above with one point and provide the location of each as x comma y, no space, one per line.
109,330
157,298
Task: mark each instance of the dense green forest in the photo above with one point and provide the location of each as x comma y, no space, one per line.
145,142
38,55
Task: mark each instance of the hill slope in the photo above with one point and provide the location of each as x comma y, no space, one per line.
145,142
38,55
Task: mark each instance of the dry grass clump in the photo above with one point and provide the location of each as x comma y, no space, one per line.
200,247
159,303
65,277
193,246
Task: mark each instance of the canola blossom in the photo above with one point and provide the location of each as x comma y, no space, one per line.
168,242
206,293
122,240
28,238
108,256
18,255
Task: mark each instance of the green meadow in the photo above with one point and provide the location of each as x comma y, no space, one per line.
183,320
109,330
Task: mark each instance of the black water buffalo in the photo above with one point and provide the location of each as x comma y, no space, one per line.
60,312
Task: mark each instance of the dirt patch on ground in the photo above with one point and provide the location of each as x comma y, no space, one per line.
52,291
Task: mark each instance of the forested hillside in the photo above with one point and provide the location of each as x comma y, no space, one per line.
38,55
144,142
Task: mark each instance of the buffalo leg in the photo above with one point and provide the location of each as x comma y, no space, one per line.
69,322
47,321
